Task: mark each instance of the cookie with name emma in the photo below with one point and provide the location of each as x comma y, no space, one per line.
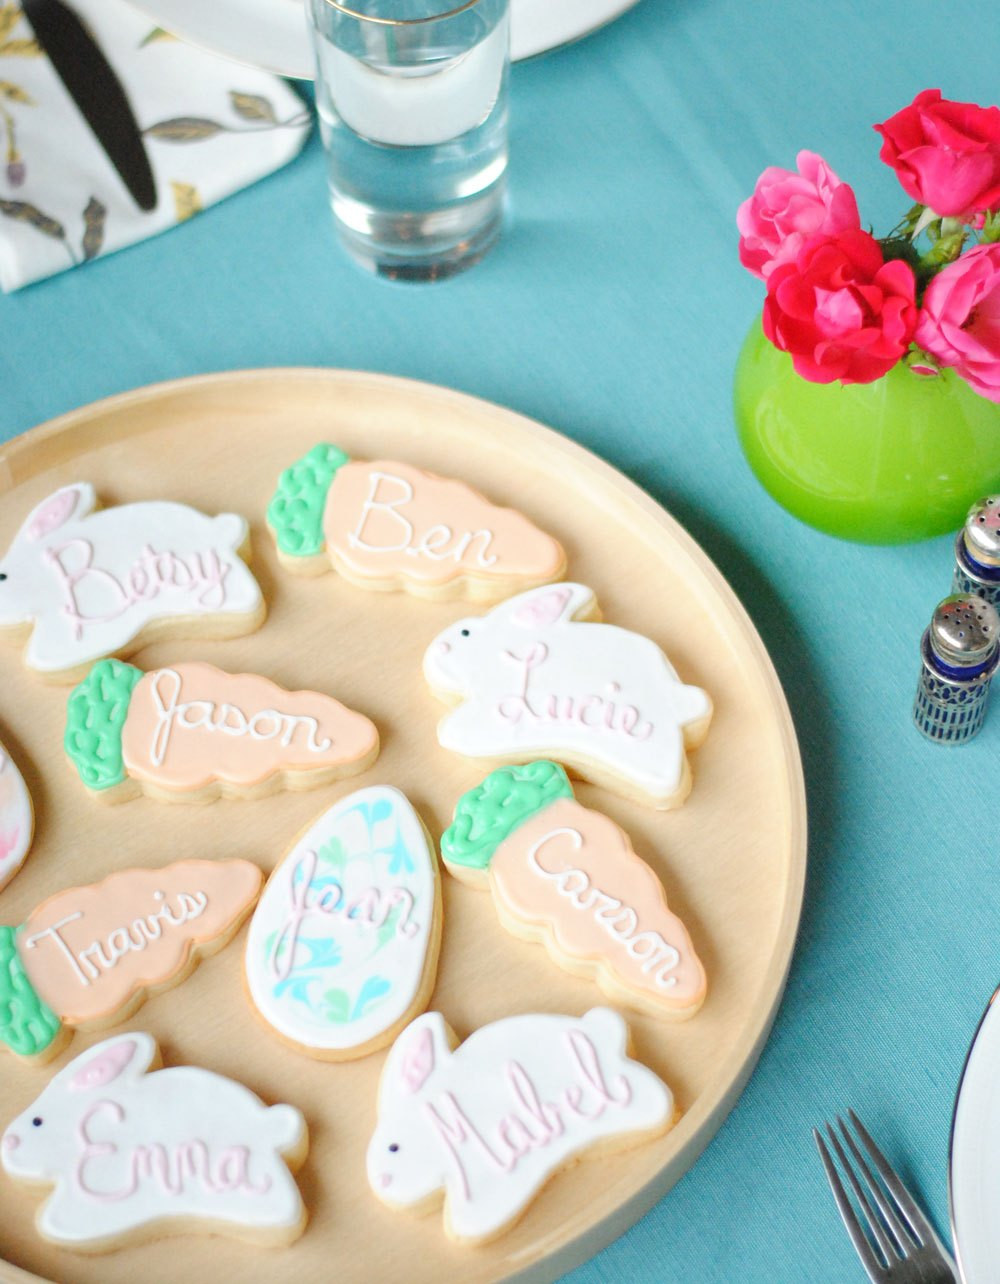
482,1126
386,525
193,733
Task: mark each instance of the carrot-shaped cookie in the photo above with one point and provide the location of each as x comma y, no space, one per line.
386,525
89,956
568,876
192,732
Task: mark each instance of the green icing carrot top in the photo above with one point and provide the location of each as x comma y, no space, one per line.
295,512
488,814
27,1024
95,716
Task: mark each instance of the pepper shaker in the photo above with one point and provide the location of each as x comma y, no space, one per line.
977,551
959,653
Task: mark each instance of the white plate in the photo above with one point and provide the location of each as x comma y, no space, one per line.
271,34
974,1165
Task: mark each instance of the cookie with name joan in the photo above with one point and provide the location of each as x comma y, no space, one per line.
384,524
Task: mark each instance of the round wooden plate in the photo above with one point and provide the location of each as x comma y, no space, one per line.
732,858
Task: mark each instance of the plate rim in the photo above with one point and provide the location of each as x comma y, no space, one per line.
702,1120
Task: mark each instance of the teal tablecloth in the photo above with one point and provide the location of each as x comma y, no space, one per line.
613,310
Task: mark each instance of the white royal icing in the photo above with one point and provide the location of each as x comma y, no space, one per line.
17,821
338,942
490,1121
91,581
531,678
122,1148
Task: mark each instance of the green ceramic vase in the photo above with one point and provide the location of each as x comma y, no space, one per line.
888,462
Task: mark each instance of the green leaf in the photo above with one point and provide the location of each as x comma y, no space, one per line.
15,94
93,228
252,107
184,129
23,212
338,1009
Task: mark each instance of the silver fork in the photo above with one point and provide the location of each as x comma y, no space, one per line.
901,1246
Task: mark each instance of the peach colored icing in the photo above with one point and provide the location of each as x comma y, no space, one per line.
387,520
87,950
191,724
574,871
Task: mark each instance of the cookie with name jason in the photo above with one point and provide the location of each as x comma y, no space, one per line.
90,956
80,584
484,1125
567,876
191,732
386,525
540,677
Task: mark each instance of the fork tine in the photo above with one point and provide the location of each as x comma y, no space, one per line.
921,1226
849,1217
907,1242
889,1248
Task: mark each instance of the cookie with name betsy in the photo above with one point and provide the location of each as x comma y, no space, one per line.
386,525
194,733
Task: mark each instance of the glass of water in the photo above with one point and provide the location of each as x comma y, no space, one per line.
412,99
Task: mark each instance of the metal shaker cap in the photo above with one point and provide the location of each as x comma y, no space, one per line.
965,630
982,530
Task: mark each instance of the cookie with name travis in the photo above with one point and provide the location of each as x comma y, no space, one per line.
483,1125
79,584
132,1152
540,676
193,733
386,525
90,956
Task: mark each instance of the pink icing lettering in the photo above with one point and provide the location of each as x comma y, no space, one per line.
595,712
201,575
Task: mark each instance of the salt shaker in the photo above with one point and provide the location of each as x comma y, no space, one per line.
977,551
959,653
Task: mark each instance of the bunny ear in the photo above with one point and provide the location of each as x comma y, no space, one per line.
102,1069
57,509
542,609
418,1060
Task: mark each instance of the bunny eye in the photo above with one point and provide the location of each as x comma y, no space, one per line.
465,633
3,575
394,1147
36,1122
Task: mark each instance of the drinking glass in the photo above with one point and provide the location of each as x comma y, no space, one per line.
412,100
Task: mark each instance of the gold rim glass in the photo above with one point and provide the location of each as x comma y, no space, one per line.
348,12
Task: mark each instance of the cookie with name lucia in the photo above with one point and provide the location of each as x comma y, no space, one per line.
89,956
17,818
342,949
193,733
386,525
80,584
132,1152
485,1124
539,677
568,877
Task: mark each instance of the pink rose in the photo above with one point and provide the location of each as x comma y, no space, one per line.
787,208
946,155
960,320
841,310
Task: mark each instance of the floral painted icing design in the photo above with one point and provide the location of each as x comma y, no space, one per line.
387,525
17,818
344,940
84,584
568,877
89,952
129,1148
540,675
190,728
485,1124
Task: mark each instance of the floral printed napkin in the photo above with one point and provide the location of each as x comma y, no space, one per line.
210,128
